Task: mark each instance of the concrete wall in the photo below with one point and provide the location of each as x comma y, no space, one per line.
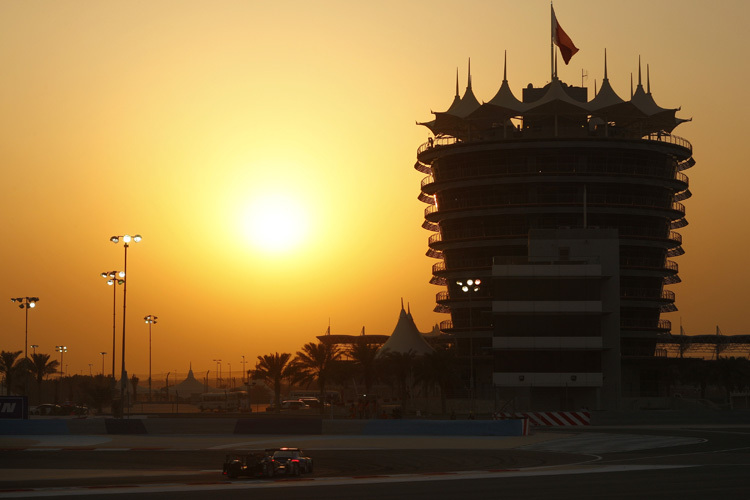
282,425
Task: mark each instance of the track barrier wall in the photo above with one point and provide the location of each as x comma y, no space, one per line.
266,426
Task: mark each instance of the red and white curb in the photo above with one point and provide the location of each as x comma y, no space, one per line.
551,418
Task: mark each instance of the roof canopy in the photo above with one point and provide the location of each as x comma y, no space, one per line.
406,337
638,117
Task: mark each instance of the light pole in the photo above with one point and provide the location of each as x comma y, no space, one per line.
103,353
114,278
230,374
26,303
151,320
126,239
90,365
34,346
470,287
62,350
243,369
218,371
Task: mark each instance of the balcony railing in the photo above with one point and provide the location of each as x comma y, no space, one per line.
446,324
686,164
679,176
553,200
462,264
646,294
426,198
656,264
449,141
422,167
635,324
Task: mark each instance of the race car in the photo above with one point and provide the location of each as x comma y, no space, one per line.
291,461
256,464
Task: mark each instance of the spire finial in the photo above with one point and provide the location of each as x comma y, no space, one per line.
505,66
457,82
631,85
605,64
648,80
469,84
402,303
639,72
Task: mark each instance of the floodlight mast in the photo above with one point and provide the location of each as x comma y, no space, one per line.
126,239
26,303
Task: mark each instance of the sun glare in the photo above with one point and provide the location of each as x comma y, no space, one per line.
275,224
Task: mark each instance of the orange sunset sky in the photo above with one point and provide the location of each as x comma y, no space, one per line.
265,151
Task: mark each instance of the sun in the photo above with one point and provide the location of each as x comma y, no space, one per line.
275,223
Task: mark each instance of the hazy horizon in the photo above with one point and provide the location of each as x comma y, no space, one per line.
192,123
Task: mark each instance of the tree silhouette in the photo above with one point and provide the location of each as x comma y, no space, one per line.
40,366
437,369
365,357
272,369
399,367
10,368
313,363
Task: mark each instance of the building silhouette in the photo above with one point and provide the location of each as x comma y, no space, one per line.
514,184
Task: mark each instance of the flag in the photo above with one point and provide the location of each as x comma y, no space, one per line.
562,40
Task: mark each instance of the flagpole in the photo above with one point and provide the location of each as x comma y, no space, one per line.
552,41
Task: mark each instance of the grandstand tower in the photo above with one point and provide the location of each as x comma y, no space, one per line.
553,160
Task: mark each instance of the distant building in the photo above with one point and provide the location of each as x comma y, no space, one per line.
405,337
497,172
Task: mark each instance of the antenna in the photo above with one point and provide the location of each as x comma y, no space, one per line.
584,76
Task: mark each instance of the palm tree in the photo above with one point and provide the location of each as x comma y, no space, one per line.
10,368
400,369
437,369
272,369
40,366
313,363
365,356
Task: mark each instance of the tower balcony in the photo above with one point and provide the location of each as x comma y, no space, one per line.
677,224
435,254
668,267
422,167
684,165
554,203
672,279
434,147
444,297
426,198
461,267
683,195
439,280
662,325
648,294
